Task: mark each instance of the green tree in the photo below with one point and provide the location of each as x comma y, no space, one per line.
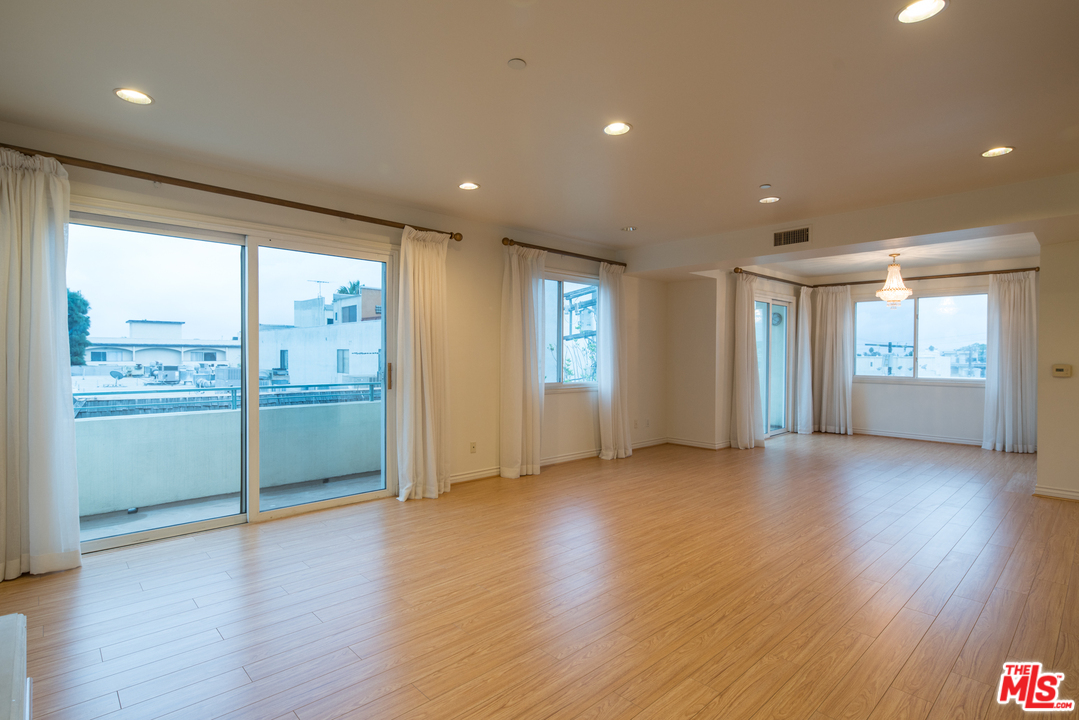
78,326
353,288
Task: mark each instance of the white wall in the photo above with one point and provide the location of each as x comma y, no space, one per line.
646,315
691,363
920,411
1058,398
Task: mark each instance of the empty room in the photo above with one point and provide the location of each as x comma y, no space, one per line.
538,360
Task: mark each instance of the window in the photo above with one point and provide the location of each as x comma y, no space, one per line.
570,332
378,309
283,360
348,314
209,357
342,362
96,356
884,339
951,338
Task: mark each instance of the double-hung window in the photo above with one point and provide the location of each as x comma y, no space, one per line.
928,337
569,336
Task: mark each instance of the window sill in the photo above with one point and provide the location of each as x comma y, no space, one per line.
937,382
558,388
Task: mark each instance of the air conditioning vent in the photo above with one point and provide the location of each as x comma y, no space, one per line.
790,237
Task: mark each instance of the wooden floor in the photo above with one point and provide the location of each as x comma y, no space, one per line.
823,577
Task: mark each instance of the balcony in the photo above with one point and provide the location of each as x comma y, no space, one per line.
174,454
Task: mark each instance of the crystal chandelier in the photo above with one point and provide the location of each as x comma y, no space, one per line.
894,291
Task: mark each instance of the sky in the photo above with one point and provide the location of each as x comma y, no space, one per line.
139,276
946,323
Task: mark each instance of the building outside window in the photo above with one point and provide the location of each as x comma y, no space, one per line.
342,361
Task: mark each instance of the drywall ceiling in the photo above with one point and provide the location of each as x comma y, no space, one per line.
961,252
836,104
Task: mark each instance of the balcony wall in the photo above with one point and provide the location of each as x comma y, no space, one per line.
142,460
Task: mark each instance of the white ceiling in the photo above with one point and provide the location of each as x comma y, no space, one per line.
962,252
835,103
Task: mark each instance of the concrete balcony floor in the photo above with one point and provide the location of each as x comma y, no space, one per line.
154,517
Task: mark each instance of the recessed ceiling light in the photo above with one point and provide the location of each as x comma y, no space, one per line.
769,200
469,186
997,151
765,186
133,96
517,63
920,10
629,228
617,128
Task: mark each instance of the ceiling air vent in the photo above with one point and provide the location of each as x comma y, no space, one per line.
790,237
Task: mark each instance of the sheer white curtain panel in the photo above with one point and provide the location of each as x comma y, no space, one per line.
612,371
803,367
833,360
747,413
422,373
521,374
1011,372
39,491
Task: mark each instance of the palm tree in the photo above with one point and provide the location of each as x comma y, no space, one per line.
353,288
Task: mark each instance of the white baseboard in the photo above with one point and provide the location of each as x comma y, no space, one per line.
695,443
650,443
474,475
916,436
569,456
1055,492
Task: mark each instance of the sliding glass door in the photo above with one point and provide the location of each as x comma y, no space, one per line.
773,330
219,378
322,351
156,365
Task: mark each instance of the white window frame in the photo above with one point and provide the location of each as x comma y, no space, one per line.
154,220
952,291
554,388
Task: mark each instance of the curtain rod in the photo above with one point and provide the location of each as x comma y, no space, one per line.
166,180
876,282
508,241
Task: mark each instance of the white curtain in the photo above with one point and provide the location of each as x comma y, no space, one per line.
39,492
612,370
521,361
1011,372
833,360
803,366
422,356
747,413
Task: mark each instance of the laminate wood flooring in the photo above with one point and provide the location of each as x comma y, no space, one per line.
823,577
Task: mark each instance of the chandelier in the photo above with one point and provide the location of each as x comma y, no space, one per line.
894,291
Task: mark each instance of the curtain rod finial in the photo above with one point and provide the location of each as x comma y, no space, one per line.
457,236
738,270
507,241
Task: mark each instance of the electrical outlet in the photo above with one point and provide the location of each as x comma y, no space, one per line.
634,424
472,447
